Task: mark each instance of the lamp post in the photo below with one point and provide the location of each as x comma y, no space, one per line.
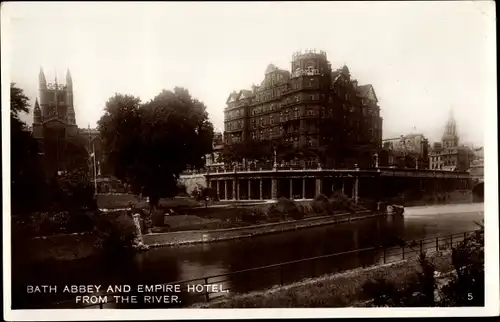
274,162
95,169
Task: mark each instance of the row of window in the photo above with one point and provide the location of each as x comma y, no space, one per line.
284,117
282,89
235,114
274,79
275,106
271,94
350,125
237,125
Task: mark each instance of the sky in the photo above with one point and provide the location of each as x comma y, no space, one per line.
424,59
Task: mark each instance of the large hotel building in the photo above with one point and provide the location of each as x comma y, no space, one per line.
311,107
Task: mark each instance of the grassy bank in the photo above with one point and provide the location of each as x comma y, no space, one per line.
338,290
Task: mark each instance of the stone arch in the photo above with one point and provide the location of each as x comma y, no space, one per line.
478,192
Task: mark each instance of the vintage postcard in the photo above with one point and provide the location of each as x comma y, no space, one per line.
207,159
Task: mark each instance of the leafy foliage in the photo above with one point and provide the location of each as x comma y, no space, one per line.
149,145
27,177
417,292
19,103
76,155
466,288
205,192
43,206
253,215
52,223
71,192
115,233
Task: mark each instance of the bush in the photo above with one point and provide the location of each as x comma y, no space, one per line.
285,208
47,223
298,213
417,292
115,232
320,204
383,292
253,215
341,202
71,192
307,208
273,214
466,288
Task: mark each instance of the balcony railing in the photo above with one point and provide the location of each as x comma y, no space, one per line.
316,166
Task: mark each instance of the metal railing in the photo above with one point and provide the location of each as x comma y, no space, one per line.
293,271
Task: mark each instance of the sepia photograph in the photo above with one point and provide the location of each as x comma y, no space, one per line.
286,156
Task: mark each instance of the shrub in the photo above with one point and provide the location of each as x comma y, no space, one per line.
298,213
115,233
253,215
284,208
273,214
417,292
50,223
307,208
466,288
71,191
341,202
383,292
320,204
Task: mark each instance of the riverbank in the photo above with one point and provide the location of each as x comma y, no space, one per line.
335,290
207,236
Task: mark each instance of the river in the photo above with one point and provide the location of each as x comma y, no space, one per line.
162,265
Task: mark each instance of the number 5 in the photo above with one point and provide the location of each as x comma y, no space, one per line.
469,296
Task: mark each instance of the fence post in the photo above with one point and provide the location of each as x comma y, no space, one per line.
385,256
437,244
465,235
403,251
207,295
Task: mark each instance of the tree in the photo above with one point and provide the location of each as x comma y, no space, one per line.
149,145
27,178
76,155
19,103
